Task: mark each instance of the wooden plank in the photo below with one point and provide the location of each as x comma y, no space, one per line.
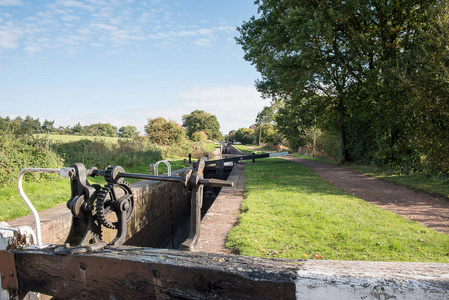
124,272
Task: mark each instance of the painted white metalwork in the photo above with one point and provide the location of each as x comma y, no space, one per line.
156,167
64,172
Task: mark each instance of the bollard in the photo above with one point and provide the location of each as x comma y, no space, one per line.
190,158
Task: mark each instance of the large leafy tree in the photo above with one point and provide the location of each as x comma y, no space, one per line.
300,46
164,132
128,132
199,120
346,54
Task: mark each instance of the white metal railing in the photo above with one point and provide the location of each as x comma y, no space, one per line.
156,167
64,172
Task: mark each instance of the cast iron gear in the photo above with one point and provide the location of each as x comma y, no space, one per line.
111,172
114,198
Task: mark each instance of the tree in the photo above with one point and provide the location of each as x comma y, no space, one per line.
30,125
128,132
100,129
48,126
266,130
199,136
300,46
76,129
200,120
343,52
245,136
163,132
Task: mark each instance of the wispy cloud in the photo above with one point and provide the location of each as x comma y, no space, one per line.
9,36
75,4
11,2
109,23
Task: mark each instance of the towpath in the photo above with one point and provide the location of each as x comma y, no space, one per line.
429,210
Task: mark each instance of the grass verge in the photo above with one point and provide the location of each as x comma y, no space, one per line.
290,212
247,150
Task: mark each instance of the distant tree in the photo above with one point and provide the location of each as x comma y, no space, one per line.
163,132
48,126
230,137
30,125
8,126
200,120
266,132
199,136
245,136
101,129
128,132
76,129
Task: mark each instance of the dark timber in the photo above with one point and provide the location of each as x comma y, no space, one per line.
123,272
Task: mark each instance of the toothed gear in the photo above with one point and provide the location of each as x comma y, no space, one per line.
111,172
110,199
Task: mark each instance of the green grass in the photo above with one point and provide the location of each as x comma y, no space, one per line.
211,146
245,149
290,212
75,138
47,194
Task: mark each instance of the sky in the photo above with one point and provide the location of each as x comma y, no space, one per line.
124,62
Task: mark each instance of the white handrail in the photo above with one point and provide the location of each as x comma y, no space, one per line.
64,172
156,167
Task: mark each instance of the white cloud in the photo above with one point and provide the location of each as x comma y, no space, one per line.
234,106
11,2
203,42
105,27
75,4
9,36
33,48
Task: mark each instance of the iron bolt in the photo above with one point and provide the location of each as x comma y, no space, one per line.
11,273
3,275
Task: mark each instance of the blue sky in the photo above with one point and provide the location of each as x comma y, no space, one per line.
122,62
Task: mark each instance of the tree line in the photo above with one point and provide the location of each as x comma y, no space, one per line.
197,126
373,74
30,125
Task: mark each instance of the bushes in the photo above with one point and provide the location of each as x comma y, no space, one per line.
99,153
18,152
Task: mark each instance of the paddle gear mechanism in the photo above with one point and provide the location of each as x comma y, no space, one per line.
112,205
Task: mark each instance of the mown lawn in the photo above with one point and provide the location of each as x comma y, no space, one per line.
290,212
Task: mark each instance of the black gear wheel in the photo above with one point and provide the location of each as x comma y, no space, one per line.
111,172
114,198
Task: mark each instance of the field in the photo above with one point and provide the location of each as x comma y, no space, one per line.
74,138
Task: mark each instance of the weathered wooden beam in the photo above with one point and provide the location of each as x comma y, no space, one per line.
124,272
